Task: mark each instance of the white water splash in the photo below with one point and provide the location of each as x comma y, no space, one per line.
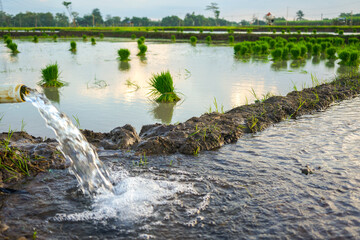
90,172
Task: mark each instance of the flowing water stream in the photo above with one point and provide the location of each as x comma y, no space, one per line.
90,172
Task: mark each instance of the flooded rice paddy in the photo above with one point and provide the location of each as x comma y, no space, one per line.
103,93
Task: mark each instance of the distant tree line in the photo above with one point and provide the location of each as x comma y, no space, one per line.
32,19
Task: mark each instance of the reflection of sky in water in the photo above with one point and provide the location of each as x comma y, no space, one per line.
200,73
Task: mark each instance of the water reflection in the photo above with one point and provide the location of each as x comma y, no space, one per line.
298,63
346,69
52,93
143,60
163,112
279,66
330,63
315,60
124,66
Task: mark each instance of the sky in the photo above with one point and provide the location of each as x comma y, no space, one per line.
232,10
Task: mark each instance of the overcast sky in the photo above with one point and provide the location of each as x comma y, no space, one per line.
233,10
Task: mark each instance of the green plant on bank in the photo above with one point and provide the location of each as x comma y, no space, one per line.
142,50
84,37
193,40
36,39
264,98
142,162
72,46
77,121
124,54
23,124
55,37
93,41
217,110
13,47
11,160
173,38
231,39
133,36
208,39
50,76
196,151
163,88
252,124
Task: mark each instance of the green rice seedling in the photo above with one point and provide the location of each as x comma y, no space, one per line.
124,54
55,37
101,35
237,48
354,30
264,48
217,109
163,88
295,53
337,30
5,37
173,38
353,40
282,31
73,46
140,42
231,39
276,54
354,57
298,32
249,31
84,37
272,43
50,76
8,41
338,41
316,49
230,31
77,121
309,47
314,31
13,47
341,32
344,56
201,30
285,54
256,49
324,45
142,39
133,36
35,39
193,40
208,40
131,84
274,31
93,41
301,39
303,51
290,45
292,39
288,30
142,50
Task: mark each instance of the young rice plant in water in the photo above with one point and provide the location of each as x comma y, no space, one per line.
13,47
142,50
124,54
93,41
193,40
162,88
50,76
73,46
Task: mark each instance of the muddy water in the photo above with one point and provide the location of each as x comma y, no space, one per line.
249,190
98,96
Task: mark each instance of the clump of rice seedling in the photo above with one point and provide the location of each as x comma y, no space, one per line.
231,39
264,48
272,43
142,39
139,42
124,54
330,52
50,76
173,38
295,52
303,51
163,88
353,40
93,41
316,49
8,41
55,37
288,30
13,47
290,45
341,32
101,35
324,45
142,50
314,31
285,54
256,49
337,30
201,30
309,47
249,31
133,36
193,40
276,54
282,31
344,56
84,37
73,46
274,31
35,39
298,32
354,56
208,39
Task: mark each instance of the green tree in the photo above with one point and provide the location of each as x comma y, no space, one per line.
61,20
215,9
98,20
171,21
300,15
68,8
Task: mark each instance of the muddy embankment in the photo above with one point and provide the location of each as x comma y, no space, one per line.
207,132
167,35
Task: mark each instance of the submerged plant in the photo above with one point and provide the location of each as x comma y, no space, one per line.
50,76
142,50
93,41
193,40
124,54
73,46
163,88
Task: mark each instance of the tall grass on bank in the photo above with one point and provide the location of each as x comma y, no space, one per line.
50,76
162,88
